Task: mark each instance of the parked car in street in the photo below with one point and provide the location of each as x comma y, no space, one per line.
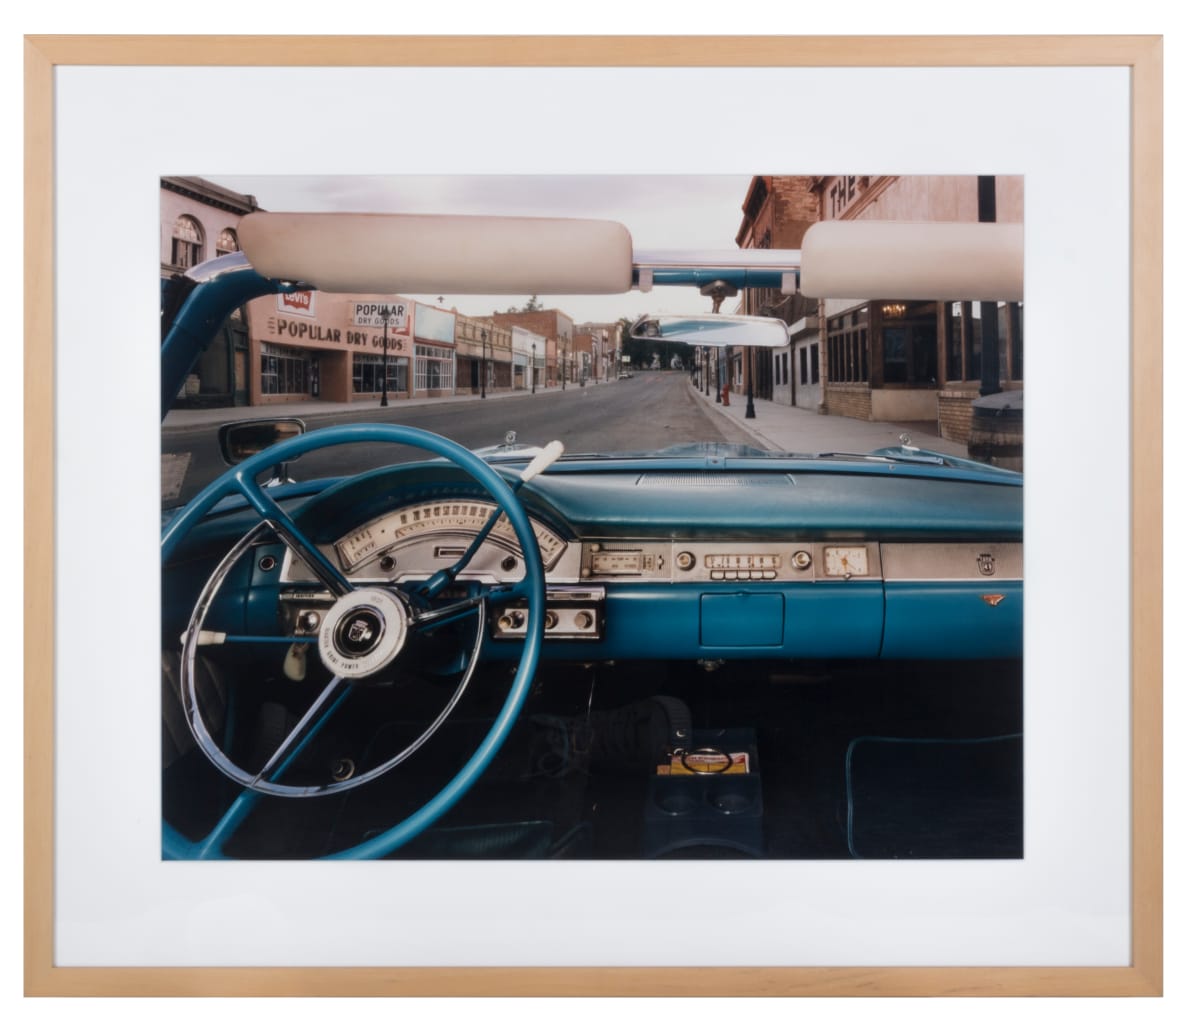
695,650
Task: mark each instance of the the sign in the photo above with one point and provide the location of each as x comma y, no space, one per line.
370,314
303,303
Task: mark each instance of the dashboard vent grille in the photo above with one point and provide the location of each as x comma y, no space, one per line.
713,479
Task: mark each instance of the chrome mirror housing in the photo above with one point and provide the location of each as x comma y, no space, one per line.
713,330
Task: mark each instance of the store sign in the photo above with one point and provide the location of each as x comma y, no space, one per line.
303,303
370,314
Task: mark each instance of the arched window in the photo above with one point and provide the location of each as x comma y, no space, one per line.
187,242
227,242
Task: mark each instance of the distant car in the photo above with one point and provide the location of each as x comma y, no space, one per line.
624,375
698,650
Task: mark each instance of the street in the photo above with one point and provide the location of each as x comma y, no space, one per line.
648,411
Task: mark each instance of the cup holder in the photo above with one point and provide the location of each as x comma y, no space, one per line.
729,800
706,810
676,801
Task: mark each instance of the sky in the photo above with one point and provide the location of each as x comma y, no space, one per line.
661,212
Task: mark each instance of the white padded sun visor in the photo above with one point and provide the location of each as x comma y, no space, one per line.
889,259
419,254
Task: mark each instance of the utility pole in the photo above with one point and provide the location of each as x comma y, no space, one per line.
483,378
384,400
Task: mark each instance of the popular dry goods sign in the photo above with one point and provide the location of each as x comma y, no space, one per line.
375,314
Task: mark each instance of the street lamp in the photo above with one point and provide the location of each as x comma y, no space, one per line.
750,413
483,378
533,368
383,400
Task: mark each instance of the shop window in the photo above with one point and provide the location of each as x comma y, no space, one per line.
1011,361
814,369
368,374
1017,347
435,368
187,242
849,349
284,370
909,337
964,346
974,345
954,342
804,365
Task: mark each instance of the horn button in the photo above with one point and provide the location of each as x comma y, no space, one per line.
363,632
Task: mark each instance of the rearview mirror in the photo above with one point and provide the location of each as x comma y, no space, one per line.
712,330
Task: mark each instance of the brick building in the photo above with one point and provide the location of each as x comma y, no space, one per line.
898,358
557,329
776,214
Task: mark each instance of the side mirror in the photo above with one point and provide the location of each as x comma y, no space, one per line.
712,330
239,441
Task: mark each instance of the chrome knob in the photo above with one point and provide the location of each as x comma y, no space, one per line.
511,620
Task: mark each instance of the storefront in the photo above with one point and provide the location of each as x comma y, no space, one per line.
310,346
433,348
528,359
916,360
908,358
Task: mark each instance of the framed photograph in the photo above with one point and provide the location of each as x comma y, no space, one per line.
863,716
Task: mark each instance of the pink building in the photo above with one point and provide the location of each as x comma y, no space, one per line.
311,346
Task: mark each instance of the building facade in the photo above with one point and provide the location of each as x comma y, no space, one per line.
528,359
605,348
484,356
197,222
899,358
314,346
556,329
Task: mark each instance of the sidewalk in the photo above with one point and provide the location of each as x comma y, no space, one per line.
367,409
785,428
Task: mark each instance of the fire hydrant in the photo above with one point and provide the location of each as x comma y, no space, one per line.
725,395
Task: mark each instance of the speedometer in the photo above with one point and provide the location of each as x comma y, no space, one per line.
455,518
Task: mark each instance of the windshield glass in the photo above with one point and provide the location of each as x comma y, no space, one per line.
514,370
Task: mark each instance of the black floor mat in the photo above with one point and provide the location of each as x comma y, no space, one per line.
913,798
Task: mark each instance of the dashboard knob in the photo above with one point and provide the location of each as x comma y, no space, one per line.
801,560
686,560
583,620
511,620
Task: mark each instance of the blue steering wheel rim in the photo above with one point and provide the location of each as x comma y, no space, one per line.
240,478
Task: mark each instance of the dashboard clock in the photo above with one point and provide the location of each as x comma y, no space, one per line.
846,561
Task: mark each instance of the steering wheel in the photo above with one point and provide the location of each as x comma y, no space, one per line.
362,634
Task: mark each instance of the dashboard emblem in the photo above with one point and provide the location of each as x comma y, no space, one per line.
991,599
987,564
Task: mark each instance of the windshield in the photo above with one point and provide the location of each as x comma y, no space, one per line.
502,372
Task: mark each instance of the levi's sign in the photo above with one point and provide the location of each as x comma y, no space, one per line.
370,314
302,302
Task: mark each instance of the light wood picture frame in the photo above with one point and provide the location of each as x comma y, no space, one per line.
1142,55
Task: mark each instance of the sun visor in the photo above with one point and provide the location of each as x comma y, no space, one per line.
432,255
887,259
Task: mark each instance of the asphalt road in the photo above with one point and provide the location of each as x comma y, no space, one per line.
646,412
